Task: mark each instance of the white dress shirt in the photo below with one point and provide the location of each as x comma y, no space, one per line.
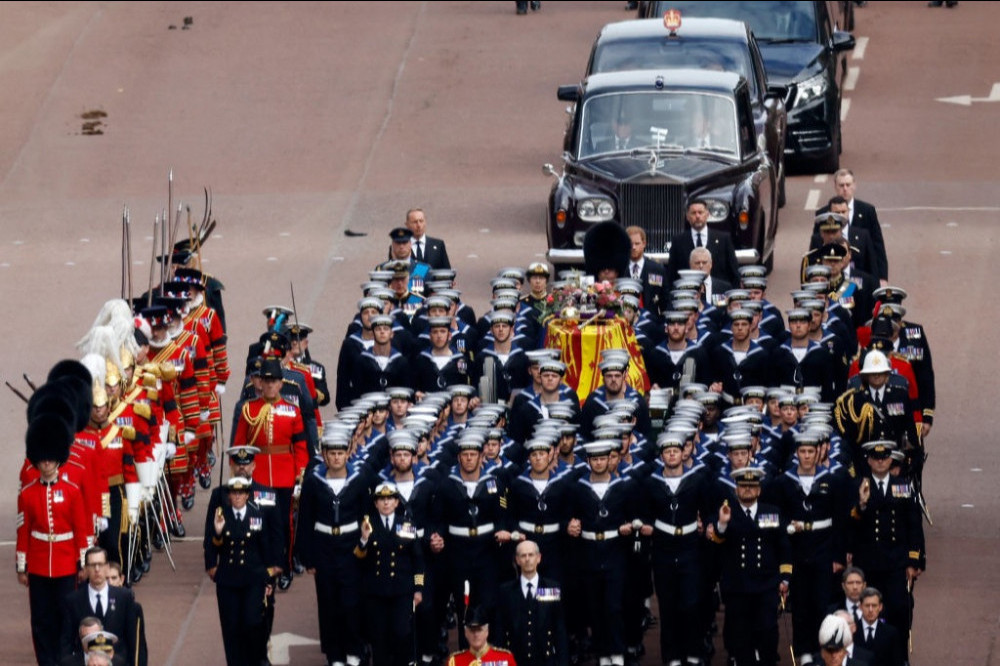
534,586
102,593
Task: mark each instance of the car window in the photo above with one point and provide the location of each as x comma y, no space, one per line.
674,53
667,120
780,20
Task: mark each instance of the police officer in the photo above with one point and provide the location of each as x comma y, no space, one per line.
392,565
240,559
756,565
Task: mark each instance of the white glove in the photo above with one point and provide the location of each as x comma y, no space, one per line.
148,493
204,416
188,436
172,450
220,389
133,515
297,490
102,524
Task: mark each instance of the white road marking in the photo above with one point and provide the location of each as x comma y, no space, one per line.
821,178
952,224
976,469
860,44
272,258
281,642
968,506
137,262
5,265
285,234
70,263
484,230
338,258
84,240
812,200
472,256
18,242
845,106
216,235
945,252
851,80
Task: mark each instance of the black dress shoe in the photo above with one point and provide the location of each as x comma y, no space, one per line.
178,530
535,6
284,582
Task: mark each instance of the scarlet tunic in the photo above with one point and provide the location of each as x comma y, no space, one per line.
53,532
80,470
490,655
276,428
204,321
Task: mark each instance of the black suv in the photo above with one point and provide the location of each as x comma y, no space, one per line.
801,48
641,144
699,43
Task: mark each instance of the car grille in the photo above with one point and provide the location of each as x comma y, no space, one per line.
657,208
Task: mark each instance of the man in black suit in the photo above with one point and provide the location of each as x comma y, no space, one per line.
719,243
113,606
529,615
863,215
875,635
651,273
426,249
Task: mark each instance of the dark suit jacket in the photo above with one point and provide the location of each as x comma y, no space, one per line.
546,625
720,244
866,218
435,252
885,647
121,618
654,286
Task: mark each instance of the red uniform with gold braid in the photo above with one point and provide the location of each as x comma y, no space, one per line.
488,656
80,475
89,440
275,428
118,467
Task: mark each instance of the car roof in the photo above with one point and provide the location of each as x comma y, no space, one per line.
700,80
691,28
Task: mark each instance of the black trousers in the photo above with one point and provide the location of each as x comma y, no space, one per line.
241,615
390,629
677,579
338,605
115,538
603,593
283,498
45,597
751,627
809,598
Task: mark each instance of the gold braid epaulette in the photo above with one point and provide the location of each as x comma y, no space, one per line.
257,423
864,418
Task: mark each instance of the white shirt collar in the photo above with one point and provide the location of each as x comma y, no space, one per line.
534,584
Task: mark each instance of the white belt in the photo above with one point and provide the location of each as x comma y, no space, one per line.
551,528
599,536
336,531
471,531
818,525
674,530
52,537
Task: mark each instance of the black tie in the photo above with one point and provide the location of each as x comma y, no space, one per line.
698,239
387,522
98,608
749,514
420,250
871,634
854,612
529,596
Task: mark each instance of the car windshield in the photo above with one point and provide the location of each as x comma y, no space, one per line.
677,121
672,53
778,21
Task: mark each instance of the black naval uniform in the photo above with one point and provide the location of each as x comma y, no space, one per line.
676,555
888,537
532,628
241,556
392,565
328,532
756,557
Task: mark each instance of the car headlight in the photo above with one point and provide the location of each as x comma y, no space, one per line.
595,210
717,210
810,89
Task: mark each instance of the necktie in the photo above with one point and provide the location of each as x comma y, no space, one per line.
239,516
529,596
635,271
881,488
854,612
98,607
420,250
871,634
387,522
749,514
698,242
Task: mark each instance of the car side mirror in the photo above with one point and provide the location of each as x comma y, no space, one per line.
842,41
568,93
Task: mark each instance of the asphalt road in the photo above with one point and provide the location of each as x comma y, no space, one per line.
309,119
